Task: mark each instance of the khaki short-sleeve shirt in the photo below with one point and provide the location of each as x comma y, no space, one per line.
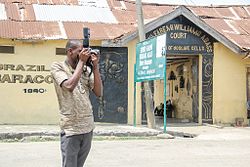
76,115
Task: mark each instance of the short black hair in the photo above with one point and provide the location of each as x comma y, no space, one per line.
73,43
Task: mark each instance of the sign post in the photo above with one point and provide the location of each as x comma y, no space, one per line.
151,64
134,97
150,59
165,98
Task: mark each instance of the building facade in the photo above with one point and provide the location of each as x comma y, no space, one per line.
207,59
204,70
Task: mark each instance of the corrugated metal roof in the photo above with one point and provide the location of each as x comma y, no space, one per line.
12,11
73,13
2,12
232,30
238,31
234,13
197,2
54,2
108,19
30,30
232,22
61,30
98,31
20,12
94,3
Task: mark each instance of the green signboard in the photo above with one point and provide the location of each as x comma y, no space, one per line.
150,59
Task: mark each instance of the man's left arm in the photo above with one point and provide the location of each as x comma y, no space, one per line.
97,82
97,89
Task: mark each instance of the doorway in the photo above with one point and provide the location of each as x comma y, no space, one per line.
182,89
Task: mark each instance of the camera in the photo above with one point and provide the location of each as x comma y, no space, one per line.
86,36
95,51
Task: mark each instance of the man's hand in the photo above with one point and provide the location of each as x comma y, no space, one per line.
84,55
95,59
97,78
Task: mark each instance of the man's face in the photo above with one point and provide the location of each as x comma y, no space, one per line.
74,52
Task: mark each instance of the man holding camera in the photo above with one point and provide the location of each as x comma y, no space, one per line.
73,80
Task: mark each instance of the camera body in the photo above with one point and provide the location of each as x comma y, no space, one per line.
86,35
94,51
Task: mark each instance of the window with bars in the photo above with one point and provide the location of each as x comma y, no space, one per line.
7,49
60,51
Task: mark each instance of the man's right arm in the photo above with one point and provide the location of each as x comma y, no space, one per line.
72,82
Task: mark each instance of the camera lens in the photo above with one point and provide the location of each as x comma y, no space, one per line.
95,51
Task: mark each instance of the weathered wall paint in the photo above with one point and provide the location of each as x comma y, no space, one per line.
229,86
29,103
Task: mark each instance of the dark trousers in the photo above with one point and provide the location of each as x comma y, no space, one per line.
75,149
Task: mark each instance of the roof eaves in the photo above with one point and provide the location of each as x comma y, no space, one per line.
182,10
151,25
215,34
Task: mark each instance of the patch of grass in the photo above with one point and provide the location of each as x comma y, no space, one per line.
95,138
101,138
31,139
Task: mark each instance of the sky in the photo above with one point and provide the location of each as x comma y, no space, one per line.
200,2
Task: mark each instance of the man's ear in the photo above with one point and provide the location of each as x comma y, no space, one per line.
69,50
